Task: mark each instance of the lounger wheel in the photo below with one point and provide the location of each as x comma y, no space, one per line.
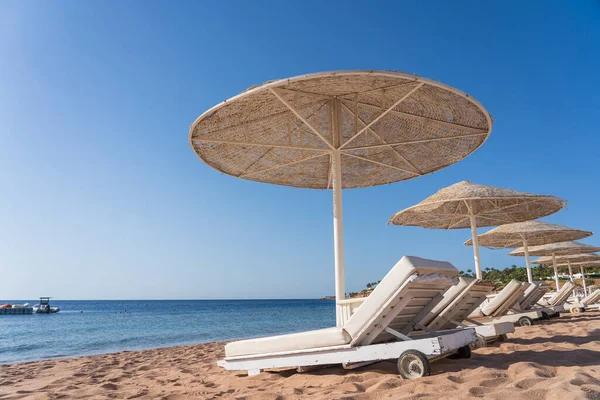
502,338
525,321
575,310
413,364
545,315
479,343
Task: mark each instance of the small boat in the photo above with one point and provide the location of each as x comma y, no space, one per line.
44,307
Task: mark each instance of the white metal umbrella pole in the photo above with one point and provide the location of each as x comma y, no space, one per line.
555,271
478,273
527,262
570,274
338,222
583,278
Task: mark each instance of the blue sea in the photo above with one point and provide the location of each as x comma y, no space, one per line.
95,327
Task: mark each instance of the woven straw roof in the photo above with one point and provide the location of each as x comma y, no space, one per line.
393,127
535,232
580,264
451,207
560,249
574,258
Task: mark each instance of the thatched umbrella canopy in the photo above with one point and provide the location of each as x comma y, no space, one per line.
470,205
344,129
534,233
573,258
568,259
557,249
582,265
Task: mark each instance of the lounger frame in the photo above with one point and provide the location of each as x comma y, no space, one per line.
432,346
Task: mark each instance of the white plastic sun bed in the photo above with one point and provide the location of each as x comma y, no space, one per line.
592,300
532,295
559,299
385,326
500,307
458,303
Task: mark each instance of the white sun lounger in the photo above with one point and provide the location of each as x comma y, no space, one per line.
500,307
558,300
532,295
458,303
592,300
384,327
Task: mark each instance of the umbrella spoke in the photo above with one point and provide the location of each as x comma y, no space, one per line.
379,163
383,114
372,146
297,114
242,143
282,165
419,117
460,221
383,142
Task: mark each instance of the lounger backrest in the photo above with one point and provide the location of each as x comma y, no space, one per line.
591,298
407,293
473,294
533,294
562,295
498,305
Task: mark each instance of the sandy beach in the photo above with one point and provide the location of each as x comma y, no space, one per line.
556,359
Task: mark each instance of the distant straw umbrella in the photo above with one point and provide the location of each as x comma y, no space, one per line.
569,260
557,249
581,266
470,205
529,233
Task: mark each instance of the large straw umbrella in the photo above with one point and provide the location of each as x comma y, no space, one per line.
335,130
529,233
470,205
567,260
557,249
582,265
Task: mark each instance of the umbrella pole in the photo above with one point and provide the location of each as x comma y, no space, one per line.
478,273
338,222
527,262
570,274
583,278
555,271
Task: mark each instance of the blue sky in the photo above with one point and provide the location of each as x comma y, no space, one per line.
102,197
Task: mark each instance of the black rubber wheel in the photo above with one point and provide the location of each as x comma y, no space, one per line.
556,315
545,315
525,321
463,352
413,364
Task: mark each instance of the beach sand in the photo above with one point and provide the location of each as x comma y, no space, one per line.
557,359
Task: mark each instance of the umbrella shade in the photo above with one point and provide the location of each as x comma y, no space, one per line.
385,126
451,207
581,265
574,258
335,130
557,249
470,205
536,233
528,233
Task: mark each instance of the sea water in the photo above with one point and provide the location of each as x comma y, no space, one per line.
95,327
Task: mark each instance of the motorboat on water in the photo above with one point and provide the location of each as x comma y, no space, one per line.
44,307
